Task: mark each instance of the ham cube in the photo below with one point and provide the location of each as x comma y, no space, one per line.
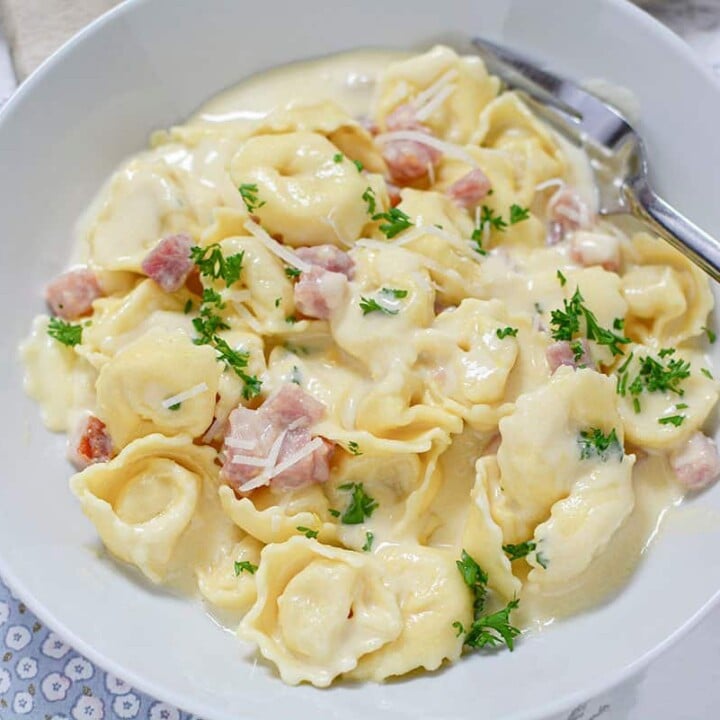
90,443
470,189
169,263
71,294
696,463
562,353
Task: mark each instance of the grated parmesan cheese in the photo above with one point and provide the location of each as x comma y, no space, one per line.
186,395
284,253
425,112
447,148
429,93
297,457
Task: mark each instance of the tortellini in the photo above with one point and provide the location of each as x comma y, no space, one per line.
390,384
319,610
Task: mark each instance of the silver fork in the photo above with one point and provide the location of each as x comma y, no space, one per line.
611,141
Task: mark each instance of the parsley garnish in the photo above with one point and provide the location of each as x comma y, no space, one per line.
459,627
653,376
333,512
711,336
188,306
476,237
506,332
707,373
475,578
208,323
566,324
361,504
493,630
594,443
395,222
393,293
368,305
369,197
238,360
515,552
65,332
353,448
174,407
248,192
244,566
278,301
561,278
292,272
291,319
675,420
518,214
338,157
369,537
212,263
489,218
308,532
542,560
358,165
577,350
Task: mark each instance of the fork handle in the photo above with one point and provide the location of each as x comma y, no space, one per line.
674,227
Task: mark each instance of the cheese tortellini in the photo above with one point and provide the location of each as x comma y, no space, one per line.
353,359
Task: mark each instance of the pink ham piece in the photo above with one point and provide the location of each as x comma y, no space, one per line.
274,436
470,189
696,463
569,211
169,263
561,353
90,443
590,248
71,294
407,160
328,257
323,288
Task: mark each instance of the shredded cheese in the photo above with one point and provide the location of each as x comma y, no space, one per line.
284,253
552,182
186,395
430,92
420,230
425,112
213,430
447,148
240,444
269,463
297,457
249,460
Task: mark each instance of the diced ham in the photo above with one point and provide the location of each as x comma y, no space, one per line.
71,294
328,257
90,443
569,210
283,425
409,160
318,292
169,263
590,248
393,193
696,463
470,189
555,233
561,353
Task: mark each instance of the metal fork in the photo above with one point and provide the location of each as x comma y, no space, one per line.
611,141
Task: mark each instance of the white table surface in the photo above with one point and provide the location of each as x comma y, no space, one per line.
682,684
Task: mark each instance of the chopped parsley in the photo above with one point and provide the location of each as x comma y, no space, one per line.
333,512
295,375
663,375
292,272
561,278
209,323
338,157
369,537
518,214
307,532
395,222
476,237
542,560
594,443
245,566
506,332
566,325
64,332
675,420
291,319
361,504
369,197
237,360
711,336
278,301
577,350
188,307
175,406
368,305
707,373
249,194
353,448
681,406
488,218
393,293
486,630
358,165
515,552
213,264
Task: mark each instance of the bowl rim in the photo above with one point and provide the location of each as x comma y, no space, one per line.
53,624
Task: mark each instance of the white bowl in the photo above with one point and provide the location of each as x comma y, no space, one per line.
149,64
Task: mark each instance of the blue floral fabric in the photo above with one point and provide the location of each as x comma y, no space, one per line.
43,678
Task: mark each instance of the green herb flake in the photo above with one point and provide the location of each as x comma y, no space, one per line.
369,537
175,406
213,264
393,293
369,305
675,420
395,222
494,630
353,448
459,627
711,336
594,443
502,333
561,278
338,157
476,237
237,361
188,307
515,552
369,197
358,165
65,332
307,532
707,373
333,512
245,566
278,301
475,578
249,194
292,272
361,504
518,214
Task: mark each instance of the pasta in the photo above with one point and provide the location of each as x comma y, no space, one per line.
369,374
